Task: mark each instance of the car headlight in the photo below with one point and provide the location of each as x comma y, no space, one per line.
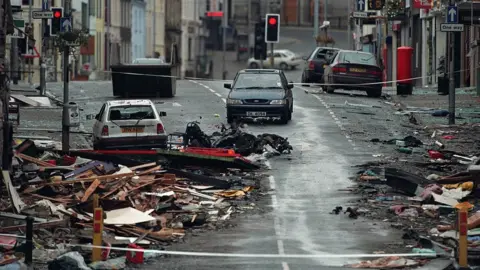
234,101
278,101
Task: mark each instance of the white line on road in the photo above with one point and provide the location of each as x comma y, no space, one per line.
332,114
276,220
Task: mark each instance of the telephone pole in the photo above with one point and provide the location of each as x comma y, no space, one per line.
65,115
451,75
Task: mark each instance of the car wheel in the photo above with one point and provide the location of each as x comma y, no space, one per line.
283,66
253,65
304,80
229,118
374,92
328,88
284,118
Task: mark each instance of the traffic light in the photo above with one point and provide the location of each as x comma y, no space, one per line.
260,50
55,24
272,28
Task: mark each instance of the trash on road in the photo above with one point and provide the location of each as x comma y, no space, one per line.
149,198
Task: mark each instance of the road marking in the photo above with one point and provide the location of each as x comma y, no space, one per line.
334,117
276,220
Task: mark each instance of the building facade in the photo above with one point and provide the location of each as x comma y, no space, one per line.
138,29
125,31
155,28
191,25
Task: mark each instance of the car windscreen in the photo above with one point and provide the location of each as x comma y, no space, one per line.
258,81
130,112
358,58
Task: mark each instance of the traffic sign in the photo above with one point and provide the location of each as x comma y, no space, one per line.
45,4
360,5
451,27
42,14
66,25
360,14
19,29
452,14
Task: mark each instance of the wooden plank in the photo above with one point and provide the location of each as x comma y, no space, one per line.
90,179
15,199
36,226
90,190
156,168
34,160
143,166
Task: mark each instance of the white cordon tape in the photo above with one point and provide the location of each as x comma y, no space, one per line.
310,84
246,255
243,255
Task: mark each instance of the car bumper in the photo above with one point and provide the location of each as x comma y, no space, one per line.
270,110
356,82
314,77
141,142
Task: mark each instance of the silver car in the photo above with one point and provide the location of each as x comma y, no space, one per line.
129,124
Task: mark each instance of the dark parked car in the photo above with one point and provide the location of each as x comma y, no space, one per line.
354,70
315,64
260,93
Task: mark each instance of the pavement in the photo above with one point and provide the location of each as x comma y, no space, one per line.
330,133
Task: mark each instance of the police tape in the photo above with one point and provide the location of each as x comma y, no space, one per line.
257,255
240,255
295,83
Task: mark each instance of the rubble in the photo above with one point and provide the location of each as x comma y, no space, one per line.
419,187
150,198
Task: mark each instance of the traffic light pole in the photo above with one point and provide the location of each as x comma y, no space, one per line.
65,116
30,3
271,56
451,75
43,66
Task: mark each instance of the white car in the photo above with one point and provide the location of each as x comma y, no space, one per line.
282,59
129,124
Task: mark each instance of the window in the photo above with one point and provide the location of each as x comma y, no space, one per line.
189,49
26,2
359,58
100,114
258,81
130,112
91,7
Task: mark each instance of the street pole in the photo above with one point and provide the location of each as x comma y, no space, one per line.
107,39
225,25
325,3
349,31
30,3
14,60
271,55
43,66
154,28
249,25
66,53
315,20
451,75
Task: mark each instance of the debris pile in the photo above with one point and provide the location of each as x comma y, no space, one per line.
420,188
150,198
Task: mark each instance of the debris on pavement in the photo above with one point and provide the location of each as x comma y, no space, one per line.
418,186
150,198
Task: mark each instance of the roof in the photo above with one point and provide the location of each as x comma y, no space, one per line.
259,71
352,51
138,102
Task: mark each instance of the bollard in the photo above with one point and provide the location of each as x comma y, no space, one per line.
462,238
29,242
97,234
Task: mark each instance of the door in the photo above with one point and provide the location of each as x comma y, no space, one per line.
321,58
277,59
98,125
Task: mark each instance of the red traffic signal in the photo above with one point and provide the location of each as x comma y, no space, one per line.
272,21
57,14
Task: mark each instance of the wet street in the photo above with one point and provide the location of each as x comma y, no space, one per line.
329,134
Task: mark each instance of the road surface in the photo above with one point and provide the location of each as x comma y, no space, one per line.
329,133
